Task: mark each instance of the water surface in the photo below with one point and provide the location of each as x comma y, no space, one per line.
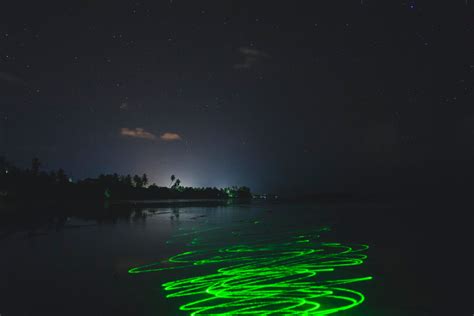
256,258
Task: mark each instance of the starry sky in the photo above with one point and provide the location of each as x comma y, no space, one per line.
281,96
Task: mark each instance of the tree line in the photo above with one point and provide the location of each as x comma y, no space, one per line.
33,183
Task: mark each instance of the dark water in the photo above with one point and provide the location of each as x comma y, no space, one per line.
419,260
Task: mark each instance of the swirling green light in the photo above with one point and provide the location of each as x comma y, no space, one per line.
267,278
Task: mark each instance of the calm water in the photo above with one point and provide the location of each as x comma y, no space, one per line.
242,258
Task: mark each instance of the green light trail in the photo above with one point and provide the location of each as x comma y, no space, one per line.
261,278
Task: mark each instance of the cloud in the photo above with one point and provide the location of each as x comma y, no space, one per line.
252,52
137,133
142,133
251,56
170,137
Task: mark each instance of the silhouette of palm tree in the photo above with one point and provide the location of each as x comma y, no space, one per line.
172,179
176,184
144,180
35,165
138,181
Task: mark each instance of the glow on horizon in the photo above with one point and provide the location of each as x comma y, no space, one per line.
191,180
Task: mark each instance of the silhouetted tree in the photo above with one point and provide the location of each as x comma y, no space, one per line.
128,180
61,176
53,175
35,166
244,193
176,184
144,180
20,184
137,180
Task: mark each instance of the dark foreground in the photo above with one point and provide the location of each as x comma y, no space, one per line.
346,259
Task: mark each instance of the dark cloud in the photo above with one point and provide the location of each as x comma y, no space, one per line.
251,56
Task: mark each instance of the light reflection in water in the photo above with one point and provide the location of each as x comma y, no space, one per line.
287,273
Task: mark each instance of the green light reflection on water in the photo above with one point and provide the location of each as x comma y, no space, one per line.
262,278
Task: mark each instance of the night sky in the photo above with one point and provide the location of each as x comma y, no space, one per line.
281,96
